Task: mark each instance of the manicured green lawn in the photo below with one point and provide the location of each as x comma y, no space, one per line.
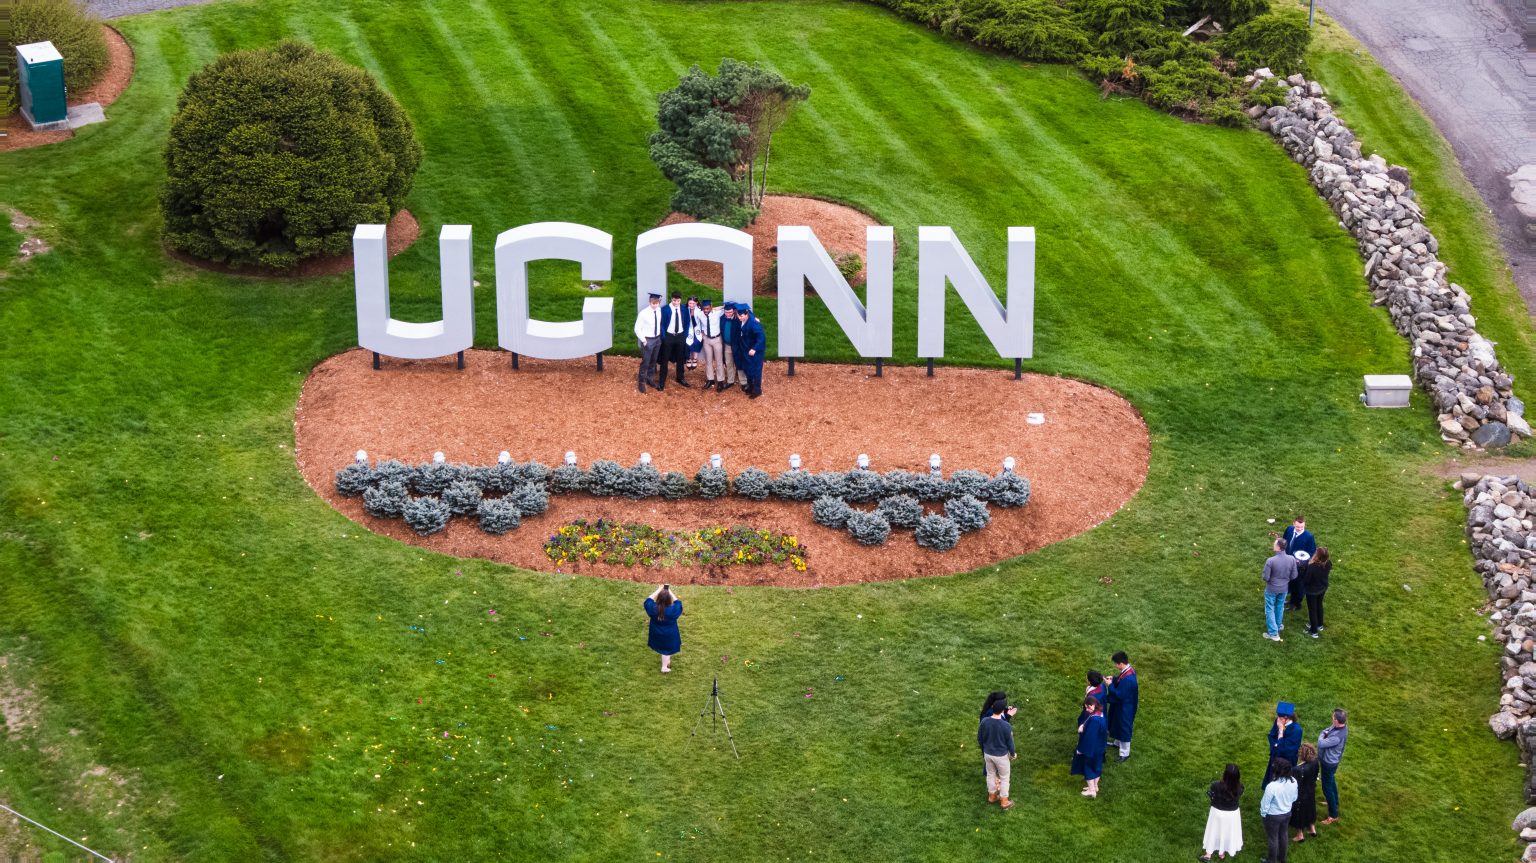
217,635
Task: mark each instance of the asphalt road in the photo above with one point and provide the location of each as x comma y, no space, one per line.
1465,62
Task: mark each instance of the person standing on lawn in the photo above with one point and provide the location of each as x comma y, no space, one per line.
1088,758
1315,586
753,349
995,737
648,331
1123,693
1224,823
1299,544
1279,572
1330,749
1304,813
664,608
1095,689
1275,807
1284,738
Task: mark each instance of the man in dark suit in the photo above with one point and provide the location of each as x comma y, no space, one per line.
1300,545
676,335
753,349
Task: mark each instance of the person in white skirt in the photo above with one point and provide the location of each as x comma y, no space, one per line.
1224,826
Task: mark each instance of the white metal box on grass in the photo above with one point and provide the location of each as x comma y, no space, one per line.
1387,391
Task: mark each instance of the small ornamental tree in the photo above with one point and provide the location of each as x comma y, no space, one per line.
1277,40
715,138
277,154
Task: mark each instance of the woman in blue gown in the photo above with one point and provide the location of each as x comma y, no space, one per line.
1092,734
663,608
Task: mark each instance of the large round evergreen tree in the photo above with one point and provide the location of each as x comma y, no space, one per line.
276,154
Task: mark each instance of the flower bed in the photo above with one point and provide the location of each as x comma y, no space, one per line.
642,545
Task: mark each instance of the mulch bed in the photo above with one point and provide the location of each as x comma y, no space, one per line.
400,233
840,229
19,134
1085,462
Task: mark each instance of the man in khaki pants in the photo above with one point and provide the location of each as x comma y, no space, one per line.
707,326
995,737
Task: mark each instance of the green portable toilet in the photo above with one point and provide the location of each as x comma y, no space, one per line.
40,72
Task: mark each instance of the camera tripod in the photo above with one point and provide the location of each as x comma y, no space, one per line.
716,710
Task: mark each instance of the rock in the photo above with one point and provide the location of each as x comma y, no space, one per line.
1503,511
1503,724
1491,434
1525,820
1518,425
1470,479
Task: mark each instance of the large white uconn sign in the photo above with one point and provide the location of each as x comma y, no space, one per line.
942,261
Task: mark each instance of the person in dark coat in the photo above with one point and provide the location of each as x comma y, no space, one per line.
1304,812
676,336
1088,758
993,699
664,608
1123,694
1318,570
1300,544
752,349
1284,738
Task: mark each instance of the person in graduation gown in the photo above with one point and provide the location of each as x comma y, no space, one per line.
730,336
1088,758
1096,690
664,608
1123,694
1284,738
752,349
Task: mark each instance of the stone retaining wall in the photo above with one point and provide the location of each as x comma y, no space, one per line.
1501,512
1375,203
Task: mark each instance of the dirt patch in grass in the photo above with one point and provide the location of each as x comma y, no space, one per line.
839,227
19,134
1086,460
400,233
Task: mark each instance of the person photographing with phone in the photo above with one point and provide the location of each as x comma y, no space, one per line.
664,608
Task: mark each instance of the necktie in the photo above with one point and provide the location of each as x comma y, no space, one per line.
656,323
674,329
709,325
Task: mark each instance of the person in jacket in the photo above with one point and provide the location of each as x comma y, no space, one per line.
676,336
1095,689
995,737
648,332
1330,751
664,608
1088,758
1315,585
1299,544
729,336
1224,823
1275,808
1124,692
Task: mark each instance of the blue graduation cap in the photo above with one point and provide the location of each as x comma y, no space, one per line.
1285,708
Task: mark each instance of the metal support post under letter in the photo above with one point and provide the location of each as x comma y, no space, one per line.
1018,368
791,366
514,360
461,361
930,367
599,360
375,360
879,367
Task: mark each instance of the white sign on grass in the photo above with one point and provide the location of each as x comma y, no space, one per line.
941,261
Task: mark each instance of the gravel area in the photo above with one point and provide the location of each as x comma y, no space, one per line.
120,8
1085,462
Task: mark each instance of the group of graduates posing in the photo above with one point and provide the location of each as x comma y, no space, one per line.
1107,718
730,339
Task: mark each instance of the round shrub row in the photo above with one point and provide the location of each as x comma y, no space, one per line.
499,516
426,515
831,512
868,528
937,532
752,484
712,482
901,510
968,512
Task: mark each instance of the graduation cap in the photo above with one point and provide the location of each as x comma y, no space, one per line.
655,296
1302,556
1285,708
728,306
743,307
706,303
